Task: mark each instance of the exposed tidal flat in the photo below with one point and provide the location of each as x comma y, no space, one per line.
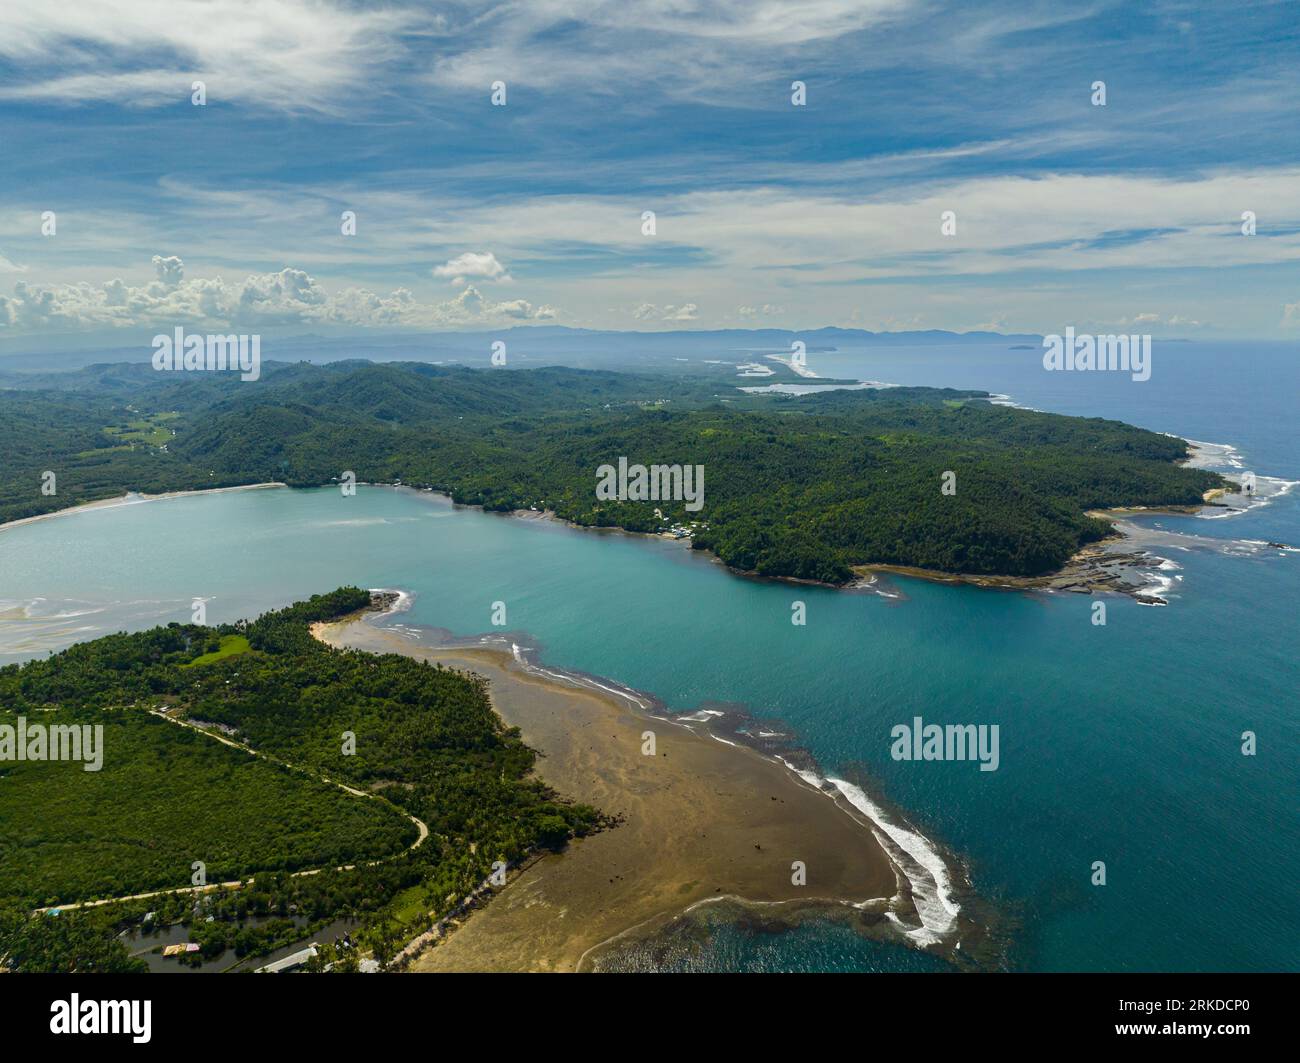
701,820
1120,743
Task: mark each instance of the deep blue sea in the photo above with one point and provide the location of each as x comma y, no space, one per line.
1119,743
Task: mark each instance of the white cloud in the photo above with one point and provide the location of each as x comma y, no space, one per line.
1149,319
523,310
480,265
1057,222
294,55
1068,222
649,312
170,270
615,42
765,21
286,297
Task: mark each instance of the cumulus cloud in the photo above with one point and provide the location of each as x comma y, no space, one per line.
522,309
170,270
651,312
479,265
359,306
287,297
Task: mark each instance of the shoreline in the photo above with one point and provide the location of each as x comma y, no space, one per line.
130,498
1084,572
1095,567
1092,569
704,820
1100,566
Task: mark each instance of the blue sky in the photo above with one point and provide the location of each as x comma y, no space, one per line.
471,215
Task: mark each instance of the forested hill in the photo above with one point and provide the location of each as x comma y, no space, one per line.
794,486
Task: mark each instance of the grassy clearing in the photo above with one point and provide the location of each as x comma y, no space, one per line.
153,430
231,646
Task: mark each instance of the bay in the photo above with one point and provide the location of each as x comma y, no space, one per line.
1119,743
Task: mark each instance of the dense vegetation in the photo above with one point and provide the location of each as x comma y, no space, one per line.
165,797
805,487
426,741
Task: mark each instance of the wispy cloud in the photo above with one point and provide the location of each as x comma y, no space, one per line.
291,55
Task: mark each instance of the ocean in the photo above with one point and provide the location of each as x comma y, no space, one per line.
1119,744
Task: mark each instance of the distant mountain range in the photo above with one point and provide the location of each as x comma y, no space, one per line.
527,345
